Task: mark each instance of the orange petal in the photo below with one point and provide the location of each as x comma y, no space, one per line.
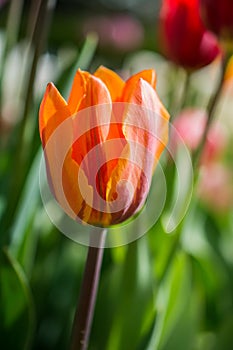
53,111
112,80
77,190
148,75
78,90
91,125
67,181
96,93
145,126
127,187
99,218
146,119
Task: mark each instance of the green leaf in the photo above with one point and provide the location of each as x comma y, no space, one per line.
16,305
106,306
211,266
22,234
172,300
134,302
182,191
184,333
163,247
224,339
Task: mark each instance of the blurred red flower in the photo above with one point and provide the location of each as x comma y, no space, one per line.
218,17
183,36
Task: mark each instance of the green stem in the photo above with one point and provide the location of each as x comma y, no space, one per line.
185,90
87,299
177,104
210,110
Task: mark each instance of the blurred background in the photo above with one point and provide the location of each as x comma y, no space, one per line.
163,291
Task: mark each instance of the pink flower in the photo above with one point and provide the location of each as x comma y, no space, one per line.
190,125
215,186
120,32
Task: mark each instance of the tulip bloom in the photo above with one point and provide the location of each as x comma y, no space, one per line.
183,37
218,17
102,145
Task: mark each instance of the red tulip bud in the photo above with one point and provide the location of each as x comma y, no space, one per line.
183,37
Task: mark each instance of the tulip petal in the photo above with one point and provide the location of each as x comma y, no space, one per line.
91,125
74,180
127,187
67,181
100,218
112,80
53,111
145,126
78,90
146,119
148,75
96,93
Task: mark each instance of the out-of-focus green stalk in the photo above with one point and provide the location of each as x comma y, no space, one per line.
185,91
175,102
12,33
37,43
13,23
88,50
83,62
210,110
21,150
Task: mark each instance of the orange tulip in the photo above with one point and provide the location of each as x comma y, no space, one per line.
102,145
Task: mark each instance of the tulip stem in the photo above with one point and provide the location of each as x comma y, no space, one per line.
185,90
85,309
211,109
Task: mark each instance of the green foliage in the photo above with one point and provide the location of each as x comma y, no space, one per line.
16,304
